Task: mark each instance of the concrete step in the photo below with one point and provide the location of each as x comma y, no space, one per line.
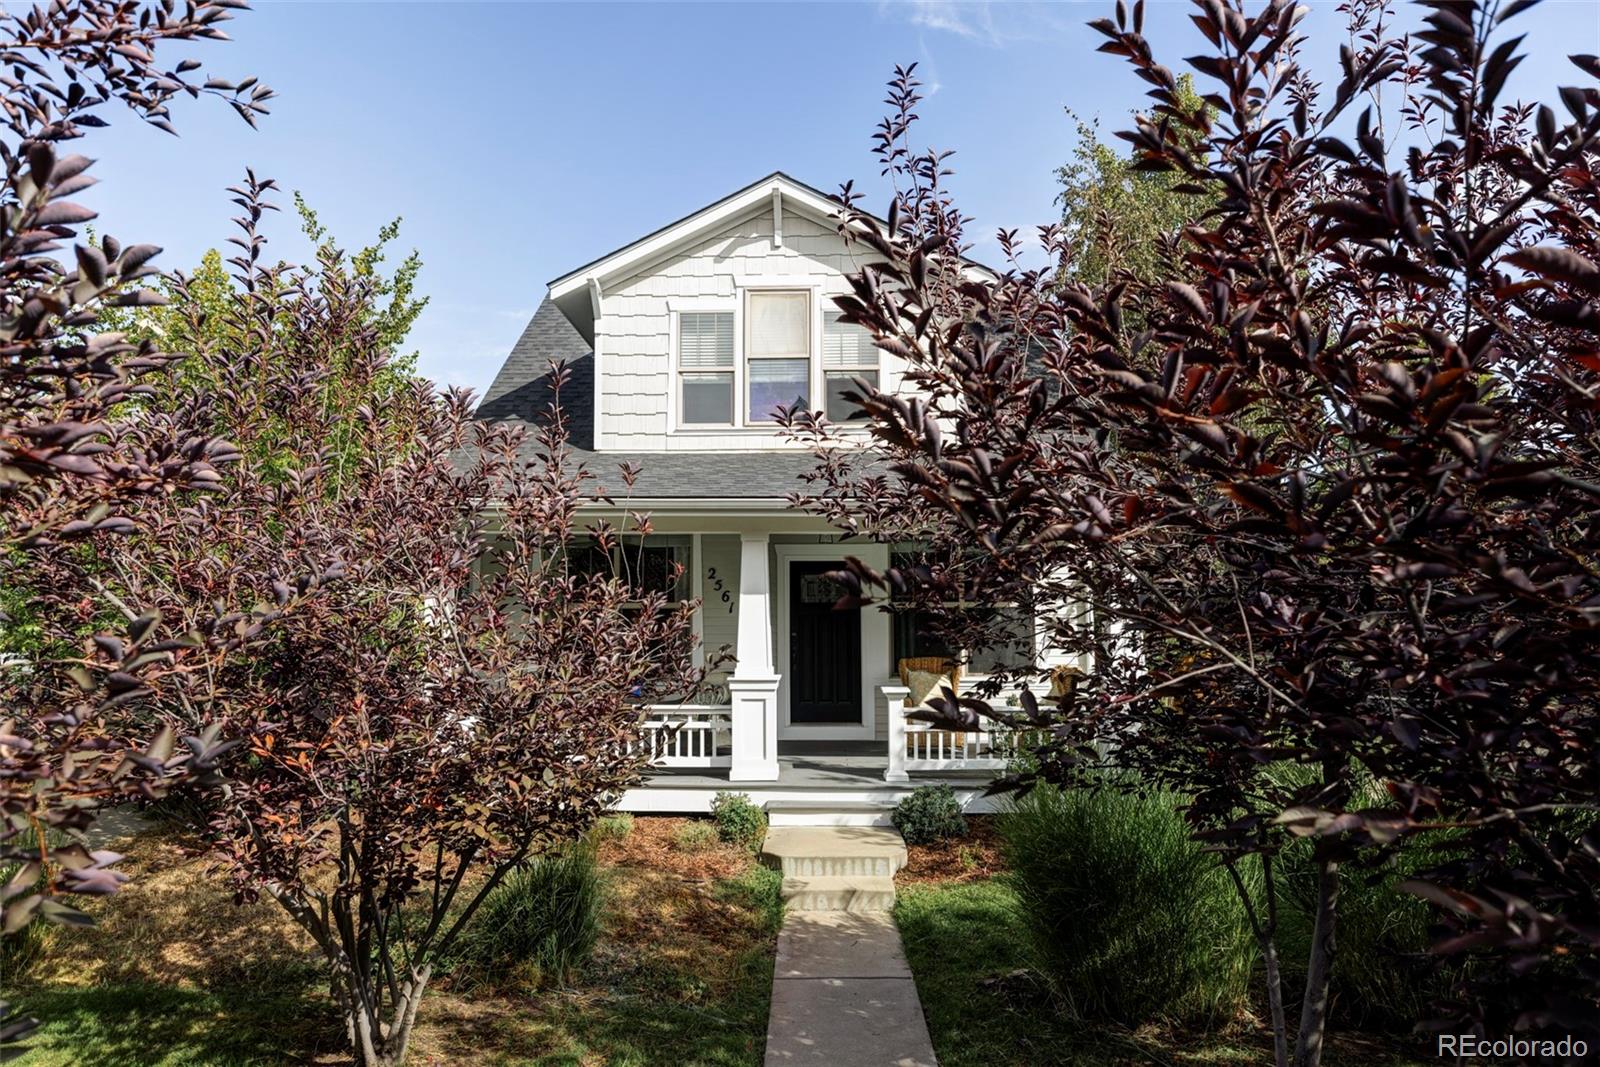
853,893
834,851
828,812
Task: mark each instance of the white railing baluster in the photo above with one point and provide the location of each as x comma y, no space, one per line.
920,746
694,728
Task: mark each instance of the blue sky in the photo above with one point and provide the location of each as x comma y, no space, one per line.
521,140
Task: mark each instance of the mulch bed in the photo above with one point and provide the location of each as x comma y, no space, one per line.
960,859
653,843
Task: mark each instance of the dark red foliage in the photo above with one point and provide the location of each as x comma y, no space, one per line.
1326,487
74,456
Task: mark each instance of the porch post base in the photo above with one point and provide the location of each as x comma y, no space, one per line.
894,699
755,729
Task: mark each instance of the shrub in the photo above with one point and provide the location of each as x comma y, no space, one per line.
538,924
695,837
615,827
931,813
1383,974
1130,920
739,822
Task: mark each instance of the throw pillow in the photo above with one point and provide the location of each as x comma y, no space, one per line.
925,684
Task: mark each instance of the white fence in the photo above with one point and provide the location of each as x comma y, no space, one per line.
689,735
922,746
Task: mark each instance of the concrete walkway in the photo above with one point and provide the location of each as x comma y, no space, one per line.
842,995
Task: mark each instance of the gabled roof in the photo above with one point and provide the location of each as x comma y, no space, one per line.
524,389
577,291
571,291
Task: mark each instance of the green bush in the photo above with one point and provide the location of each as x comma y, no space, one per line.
931,813
739,822
1383,974
615,827
1129,920
695,837
538,924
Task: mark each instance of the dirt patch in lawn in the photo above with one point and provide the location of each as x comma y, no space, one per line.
959,859
661,843
681,973
175,922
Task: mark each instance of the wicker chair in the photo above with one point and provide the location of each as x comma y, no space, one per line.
940,665
936,664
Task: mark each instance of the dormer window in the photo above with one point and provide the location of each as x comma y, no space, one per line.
847,354
777,351
705,367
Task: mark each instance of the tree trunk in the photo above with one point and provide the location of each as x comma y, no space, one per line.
1280,1025
1314,1008
375,1043
1267,942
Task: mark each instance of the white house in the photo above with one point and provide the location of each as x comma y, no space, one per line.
680,346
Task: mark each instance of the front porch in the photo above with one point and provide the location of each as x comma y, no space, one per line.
818,783
804,709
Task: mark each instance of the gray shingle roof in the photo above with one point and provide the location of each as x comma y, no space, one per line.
523,391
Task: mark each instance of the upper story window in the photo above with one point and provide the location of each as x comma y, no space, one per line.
777,352
847,354
705,367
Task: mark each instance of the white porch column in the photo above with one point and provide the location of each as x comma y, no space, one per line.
754,685
895,697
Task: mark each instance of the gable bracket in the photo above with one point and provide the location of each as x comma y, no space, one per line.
594,297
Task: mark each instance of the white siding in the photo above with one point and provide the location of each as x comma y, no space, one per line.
633,333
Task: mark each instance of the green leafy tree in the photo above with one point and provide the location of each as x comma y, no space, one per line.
1117,216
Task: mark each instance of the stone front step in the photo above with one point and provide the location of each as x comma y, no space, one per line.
828,812
853,893
835,868
834,851
838,866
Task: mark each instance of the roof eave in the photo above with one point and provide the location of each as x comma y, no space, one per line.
576,292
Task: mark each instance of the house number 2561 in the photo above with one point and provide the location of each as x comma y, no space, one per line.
719,589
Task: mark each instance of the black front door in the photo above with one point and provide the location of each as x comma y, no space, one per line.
824,649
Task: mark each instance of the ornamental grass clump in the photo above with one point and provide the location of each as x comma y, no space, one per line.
1131,921
538,925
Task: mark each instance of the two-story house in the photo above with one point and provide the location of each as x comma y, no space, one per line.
681,346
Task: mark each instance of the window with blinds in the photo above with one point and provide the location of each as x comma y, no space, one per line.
847,354
705,368
777,352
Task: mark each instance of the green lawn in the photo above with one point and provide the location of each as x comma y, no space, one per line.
967,947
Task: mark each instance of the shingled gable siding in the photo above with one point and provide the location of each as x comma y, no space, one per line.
633,333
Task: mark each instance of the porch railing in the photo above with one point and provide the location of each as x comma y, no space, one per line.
689,735
922,746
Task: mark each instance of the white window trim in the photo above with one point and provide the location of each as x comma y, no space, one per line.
856,425
821,304
813,346
675,310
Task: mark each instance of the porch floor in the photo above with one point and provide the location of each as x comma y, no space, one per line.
806,765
